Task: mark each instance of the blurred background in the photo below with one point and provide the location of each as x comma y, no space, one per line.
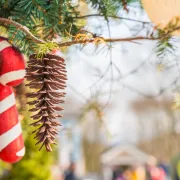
119,120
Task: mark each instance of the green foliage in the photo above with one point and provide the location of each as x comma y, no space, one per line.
109,7
165,47
36,164
48,18
44,18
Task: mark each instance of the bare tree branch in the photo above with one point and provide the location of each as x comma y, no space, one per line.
150,96
124,2
114,17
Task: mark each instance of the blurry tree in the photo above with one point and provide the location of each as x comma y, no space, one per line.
158,124
93,142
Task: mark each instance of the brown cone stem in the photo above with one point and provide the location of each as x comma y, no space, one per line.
47,78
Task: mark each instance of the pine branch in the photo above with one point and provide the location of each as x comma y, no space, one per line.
129,39
91,40
108,40
22,28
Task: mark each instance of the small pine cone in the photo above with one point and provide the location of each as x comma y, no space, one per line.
47,78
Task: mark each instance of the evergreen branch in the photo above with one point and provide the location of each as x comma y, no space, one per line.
22,28
108,40
91,40
115,17
128,39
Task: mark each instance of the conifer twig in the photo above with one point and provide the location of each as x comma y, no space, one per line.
91,40
128,39
22,28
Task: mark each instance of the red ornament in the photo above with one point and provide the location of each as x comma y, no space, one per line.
12,72
11,141
12,65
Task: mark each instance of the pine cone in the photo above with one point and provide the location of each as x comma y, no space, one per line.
47,76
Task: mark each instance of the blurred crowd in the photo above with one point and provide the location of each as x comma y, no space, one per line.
69,174
149,171
159,171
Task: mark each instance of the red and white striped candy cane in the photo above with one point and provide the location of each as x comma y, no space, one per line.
11,140
12,65
12,71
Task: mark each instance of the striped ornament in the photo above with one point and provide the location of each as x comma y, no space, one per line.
12,72
12,65
11,140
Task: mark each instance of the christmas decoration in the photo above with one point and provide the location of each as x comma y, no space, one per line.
12,67
11,140
162,12
12,71
47,76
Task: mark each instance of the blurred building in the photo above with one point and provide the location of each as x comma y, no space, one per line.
123,155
